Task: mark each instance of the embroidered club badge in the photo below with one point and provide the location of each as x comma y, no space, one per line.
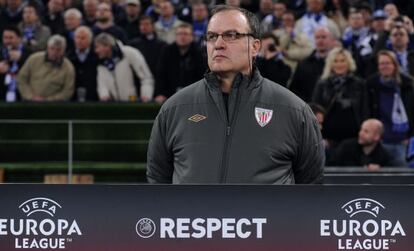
263,116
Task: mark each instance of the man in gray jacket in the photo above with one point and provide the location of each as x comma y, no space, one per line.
234,126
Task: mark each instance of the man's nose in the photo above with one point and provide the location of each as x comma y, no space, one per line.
219,43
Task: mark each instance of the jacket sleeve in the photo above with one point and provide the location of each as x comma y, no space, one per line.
160,166
141,68
308,167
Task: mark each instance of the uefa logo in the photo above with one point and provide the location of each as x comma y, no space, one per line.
145,228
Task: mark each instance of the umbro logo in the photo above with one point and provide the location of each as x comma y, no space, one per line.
197,118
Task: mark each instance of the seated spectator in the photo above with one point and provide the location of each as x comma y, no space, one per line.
182,63
355,33
200,21
298,6
270,60
398,40
315,18
90,7
167,23
149,45
73,19
105,23
12,15
366,150
54,16
343,95
118,64
35,35
47,75
154,9
391,100
85,61
12,57
295,46
274,21
309,70
131,20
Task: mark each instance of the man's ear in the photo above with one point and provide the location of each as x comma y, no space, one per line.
256,47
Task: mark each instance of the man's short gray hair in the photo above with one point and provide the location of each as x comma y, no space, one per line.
57,41
73,11
85,29
105,39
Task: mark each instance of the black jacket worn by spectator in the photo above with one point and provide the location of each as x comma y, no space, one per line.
116,31
306,75
86,73
345,101
151,49
350,153
177,71
407,96
274,69
196,138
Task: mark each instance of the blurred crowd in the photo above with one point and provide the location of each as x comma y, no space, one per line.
351,59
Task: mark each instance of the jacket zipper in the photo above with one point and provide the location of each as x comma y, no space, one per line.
230,124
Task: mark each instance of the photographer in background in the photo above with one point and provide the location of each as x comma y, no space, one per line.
270,60
12,56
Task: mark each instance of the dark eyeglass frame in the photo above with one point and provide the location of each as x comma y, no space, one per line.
228,36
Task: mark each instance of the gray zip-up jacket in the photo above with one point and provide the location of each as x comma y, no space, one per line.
267,135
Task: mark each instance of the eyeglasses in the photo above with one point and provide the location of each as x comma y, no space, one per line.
227,36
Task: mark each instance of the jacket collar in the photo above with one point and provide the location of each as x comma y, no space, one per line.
240,80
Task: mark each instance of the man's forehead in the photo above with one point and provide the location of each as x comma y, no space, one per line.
231,20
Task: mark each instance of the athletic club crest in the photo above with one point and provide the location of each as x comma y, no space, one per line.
263,116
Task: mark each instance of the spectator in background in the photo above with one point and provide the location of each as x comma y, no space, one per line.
105,23
355,33
200,20
12,57
391,10
270,61
47,75
149,45
154,9
54,16
397,40
314,19
366,150
181,64
391,100
366,10
90,8
35,35
118,64
338,10
12,14
131,20
274,21
265,8
85,63
309,70
343,95
295,46
377,27
298,6
319,112
167,23
73,20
